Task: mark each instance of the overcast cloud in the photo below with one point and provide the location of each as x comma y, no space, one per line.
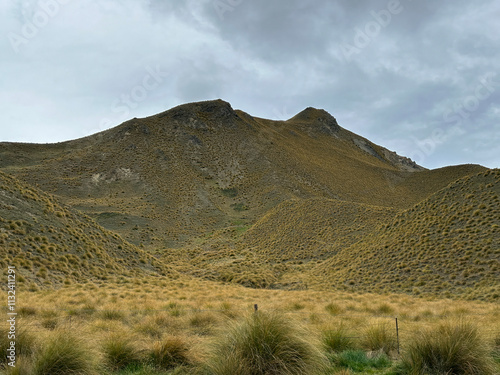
419,77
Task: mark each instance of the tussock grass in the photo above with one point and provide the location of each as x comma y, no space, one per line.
25,343
170,353
337,339
333,308
443,246
264,344
111,315
62,354
120,351
149,328
23,367
496,349
452,348
379,337
142,315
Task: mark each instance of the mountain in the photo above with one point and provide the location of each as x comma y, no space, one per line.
214,193
163,180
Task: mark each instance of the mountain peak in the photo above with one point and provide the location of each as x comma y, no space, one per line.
210,110
316,117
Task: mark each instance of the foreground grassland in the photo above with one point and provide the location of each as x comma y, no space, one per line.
158,326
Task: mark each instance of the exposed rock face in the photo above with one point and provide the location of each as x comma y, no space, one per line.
404,163
318,118
202,115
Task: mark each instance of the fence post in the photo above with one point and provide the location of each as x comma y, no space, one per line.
255,307
397,333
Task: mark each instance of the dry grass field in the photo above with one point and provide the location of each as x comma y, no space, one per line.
144,313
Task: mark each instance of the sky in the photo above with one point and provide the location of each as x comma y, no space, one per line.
421,78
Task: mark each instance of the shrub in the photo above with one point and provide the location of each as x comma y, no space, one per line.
379,337
170,353
337,340
64,354
452,348
264,344
119,352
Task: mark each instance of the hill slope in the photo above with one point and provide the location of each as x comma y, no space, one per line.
164,180
448,244
51,244
312,229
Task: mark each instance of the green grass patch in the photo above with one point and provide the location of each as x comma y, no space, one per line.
239,207
230,192
358,361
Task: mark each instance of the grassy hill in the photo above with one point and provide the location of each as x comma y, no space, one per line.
448,245
204,166
312,229
51,244
218,194
283,241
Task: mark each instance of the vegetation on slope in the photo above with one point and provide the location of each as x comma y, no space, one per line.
447,245
204,166
221,195
51,244
312,229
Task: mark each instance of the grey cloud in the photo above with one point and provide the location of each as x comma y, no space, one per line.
269,58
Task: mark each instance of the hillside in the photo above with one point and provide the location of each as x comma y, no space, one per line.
51,244
168,179
289,236
447,245
312,229
217,194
